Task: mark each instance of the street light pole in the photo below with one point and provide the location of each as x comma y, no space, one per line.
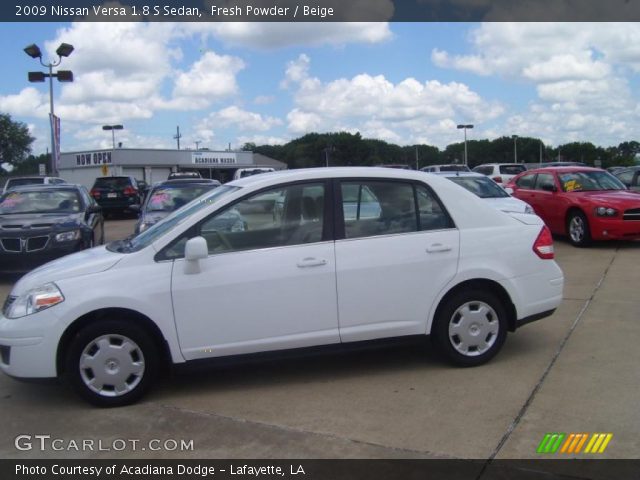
64,50
465,139
113,129
515,148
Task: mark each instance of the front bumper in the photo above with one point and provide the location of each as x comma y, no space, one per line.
26,261
603,228
26,351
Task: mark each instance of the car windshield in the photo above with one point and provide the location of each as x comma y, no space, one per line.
454,168
483,187
168,199
44,201
589,181
512,169
145,238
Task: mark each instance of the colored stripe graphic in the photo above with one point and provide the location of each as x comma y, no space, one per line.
573,443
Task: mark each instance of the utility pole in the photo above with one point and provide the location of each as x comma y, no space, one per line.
417,159
198,142
177,136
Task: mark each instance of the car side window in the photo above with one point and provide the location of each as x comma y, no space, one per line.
373,208
285,216
626,177
526,181
544,181
483,170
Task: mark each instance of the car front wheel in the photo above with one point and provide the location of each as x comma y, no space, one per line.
578,228
470,328
112,363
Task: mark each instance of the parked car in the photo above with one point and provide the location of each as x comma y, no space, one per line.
492,193
456,167
615,169
13,182
630,177
501,173
183,175
165,197
117,194
247,172
39,223
434,262
581,202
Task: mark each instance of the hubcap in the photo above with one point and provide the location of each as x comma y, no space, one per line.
576,229
473,328
112,365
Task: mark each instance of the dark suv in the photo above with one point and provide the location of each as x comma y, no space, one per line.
116,194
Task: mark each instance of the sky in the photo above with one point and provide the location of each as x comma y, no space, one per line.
406,83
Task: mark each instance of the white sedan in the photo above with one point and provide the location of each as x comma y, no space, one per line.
432,261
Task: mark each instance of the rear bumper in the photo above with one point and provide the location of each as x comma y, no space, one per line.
533,318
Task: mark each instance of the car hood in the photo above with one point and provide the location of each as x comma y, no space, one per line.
85,262
614,198
37,221
507,204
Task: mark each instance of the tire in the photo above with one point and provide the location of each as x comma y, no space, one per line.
470,328
578,229
112,363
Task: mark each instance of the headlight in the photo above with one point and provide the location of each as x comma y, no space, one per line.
605,212
35,300
528,209
68,236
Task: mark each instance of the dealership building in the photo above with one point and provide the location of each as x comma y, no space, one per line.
153,165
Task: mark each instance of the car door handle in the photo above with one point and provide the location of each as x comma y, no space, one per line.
311,262
438,247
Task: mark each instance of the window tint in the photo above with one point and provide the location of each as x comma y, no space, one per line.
512,169
526,181
291,215
484,170
544,180
432,215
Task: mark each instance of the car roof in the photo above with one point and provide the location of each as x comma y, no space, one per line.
501,164
565,169
41,187
186,182
458,174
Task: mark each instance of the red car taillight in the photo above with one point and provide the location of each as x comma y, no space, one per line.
95,193
543,246
129,190
497,179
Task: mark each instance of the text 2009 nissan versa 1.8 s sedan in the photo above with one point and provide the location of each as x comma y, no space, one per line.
433,260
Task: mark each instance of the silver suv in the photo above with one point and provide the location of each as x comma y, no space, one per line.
13,182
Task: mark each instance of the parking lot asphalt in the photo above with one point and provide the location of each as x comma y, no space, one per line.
576,371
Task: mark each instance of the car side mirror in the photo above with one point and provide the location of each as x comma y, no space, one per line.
194,250
509,190
549,188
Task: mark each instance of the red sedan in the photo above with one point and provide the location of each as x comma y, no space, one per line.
583,203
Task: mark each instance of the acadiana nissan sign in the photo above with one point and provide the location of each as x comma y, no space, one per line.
213,158
93,159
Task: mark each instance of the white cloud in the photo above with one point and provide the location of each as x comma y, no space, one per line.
241,119
580,72
28,103
376,106
212,77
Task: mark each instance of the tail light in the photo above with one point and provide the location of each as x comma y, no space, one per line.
95,193
497,179
129,190
543,246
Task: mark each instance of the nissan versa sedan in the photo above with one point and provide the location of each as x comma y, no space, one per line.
39,223
581,202
433,261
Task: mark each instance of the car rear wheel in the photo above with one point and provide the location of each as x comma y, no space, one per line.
578,228
112,363
470,328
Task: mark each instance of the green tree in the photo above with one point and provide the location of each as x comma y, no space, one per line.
15,141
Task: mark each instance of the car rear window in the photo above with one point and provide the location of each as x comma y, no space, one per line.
512,169
454,168
16,182
113,182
